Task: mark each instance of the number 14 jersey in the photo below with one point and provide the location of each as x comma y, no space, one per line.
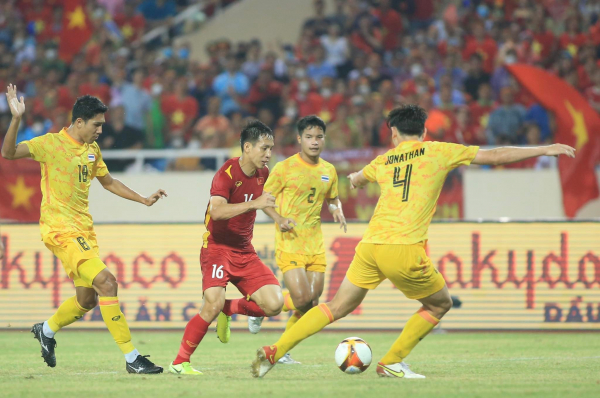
411,177
300,189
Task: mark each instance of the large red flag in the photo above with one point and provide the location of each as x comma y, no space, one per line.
20,192
577,125
76,29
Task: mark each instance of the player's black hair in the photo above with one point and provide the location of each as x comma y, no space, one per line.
408,119
253,131
308,122
87,107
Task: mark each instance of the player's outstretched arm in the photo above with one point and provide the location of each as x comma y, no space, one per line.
357,180
504,155
285,224
118,188
221,210
10,150
335,208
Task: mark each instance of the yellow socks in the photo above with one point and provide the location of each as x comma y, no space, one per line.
417,327
288,304
293,319
310,323
68,312
116,323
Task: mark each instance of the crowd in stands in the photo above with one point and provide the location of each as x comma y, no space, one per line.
350,65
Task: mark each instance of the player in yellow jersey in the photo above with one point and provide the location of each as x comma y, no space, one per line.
70,160
300,185
410,176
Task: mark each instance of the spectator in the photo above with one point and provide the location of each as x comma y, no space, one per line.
320,68
480,43
475,77
95,88
265,93
506,122
366,36
336,47
448,97
318,23
202,89
180,110
254,60
213,130
391,22
117,135
136,102
230,86
156,11
131,22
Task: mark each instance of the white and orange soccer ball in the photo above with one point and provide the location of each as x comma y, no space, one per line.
353,355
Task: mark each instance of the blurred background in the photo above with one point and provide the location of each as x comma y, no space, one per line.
182,77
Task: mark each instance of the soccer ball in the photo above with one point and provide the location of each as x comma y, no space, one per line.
353,355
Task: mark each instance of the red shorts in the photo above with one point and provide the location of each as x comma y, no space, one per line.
245,270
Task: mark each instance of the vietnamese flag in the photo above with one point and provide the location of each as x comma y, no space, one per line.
76,30
577,125
20,192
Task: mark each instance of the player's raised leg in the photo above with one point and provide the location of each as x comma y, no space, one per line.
105,284
347,298
418,326
69,311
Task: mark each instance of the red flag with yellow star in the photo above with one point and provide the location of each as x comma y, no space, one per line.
577,125
20,193
76,30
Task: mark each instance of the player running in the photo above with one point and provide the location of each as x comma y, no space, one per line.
70,160
411,177
301,184
227,254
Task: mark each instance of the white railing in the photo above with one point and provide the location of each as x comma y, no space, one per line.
141,155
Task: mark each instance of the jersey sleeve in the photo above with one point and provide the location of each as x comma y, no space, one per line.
333,190
40,147
370,170
100,169
275,182
221,185
458,155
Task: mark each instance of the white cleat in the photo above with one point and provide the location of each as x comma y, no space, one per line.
254,323
288,360
400,370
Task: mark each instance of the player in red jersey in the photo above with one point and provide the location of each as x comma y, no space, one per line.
227,254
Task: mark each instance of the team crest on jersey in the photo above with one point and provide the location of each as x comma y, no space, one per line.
325,178
238,184
260,180
91,157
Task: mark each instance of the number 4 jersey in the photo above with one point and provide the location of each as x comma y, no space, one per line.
411,177
68,168
300,189
231,183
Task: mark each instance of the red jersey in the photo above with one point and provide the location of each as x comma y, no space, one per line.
231,183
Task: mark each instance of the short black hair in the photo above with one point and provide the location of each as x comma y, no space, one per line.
87,107
408,119
253,131
308,122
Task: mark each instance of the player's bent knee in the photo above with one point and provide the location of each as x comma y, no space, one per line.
272,307
106,284
302,302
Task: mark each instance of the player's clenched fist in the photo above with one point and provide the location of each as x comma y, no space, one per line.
264,201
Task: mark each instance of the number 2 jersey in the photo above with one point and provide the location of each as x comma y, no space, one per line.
300,189
231,183
411,177
68,168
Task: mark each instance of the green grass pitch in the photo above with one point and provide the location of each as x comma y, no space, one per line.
456,365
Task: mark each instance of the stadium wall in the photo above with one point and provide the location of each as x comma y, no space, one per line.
487,195
536,276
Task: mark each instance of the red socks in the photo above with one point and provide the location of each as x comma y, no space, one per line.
192,336
242,307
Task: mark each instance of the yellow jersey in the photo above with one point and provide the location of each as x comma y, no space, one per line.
68,168
411,177
300,189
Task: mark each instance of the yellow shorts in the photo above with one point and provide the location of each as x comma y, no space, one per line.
288,261
406,266
73,250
